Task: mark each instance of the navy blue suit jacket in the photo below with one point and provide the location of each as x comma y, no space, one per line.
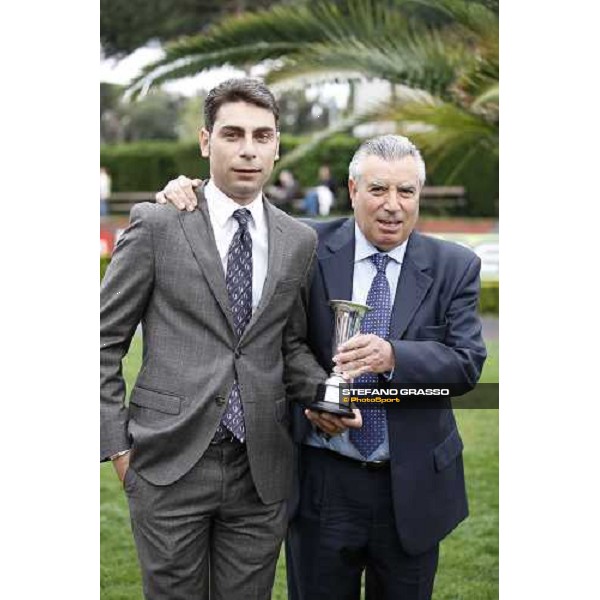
436,335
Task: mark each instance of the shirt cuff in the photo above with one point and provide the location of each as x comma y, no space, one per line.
118,454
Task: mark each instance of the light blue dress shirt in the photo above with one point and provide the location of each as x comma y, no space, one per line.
364,273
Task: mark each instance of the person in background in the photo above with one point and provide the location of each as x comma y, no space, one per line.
320,199
326,179
104,191
285,190
324,200
311,203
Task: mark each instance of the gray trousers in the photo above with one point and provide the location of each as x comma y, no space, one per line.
208,535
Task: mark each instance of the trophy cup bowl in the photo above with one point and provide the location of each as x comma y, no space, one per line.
348,317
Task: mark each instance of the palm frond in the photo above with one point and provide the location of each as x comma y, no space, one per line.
450,137
344,125
422,61
360,35
445,77
491,95
302,79
474,18
186,66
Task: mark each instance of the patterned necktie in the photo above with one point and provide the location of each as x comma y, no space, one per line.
239,290
370,436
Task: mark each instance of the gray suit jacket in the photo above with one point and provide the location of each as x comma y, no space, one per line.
166,273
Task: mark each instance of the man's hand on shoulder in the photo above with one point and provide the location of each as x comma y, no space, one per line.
180,193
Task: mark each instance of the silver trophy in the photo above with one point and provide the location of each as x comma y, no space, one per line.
348,316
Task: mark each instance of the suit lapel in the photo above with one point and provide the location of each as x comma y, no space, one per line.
338,266
275,259
412,286
199,234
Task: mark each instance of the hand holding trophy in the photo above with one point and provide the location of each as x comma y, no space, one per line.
348,317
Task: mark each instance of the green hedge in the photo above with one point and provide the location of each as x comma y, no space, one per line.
488,299
104,260
147,166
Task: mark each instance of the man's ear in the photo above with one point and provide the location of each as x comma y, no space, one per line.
352,189
277,147
204,139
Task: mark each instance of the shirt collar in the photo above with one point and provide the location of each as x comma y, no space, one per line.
221,207
363,248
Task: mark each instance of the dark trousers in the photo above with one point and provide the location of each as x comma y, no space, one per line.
208,535
345,525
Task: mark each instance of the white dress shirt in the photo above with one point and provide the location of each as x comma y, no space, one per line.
224,225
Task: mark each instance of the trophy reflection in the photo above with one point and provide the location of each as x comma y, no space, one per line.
348,317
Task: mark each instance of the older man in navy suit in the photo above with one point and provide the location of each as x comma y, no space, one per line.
382,497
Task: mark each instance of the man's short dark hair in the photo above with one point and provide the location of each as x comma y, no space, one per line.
252,91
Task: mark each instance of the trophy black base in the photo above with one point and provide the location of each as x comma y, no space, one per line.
328,398
332,408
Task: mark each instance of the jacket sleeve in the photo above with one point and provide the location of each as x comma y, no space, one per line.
458,357
124,294
302,372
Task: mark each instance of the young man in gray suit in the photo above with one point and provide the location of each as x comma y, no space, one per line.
203,449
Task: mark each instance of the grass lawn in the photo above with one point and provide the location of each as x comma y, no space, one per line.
469,556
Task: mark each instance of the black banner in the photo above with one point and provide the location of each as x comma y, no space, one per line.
435,395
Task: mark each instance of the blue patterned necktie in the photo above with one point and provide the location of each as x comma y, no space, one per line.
239,290
377,321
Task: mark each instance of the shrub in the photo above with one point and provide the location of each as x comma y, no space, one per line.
147,166
489,301
104,260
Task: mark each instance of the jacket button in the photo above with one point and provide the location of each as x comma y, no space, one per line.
237,353
220,400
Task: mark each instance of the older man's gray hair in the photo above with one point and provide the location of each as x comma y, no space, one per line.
388,147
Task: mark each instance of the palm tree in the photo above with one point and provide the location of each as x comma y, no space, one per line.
439,56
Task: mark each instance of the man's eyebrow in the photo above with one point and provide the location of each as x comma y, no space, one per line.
232,128
402,186
264,130
237,129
